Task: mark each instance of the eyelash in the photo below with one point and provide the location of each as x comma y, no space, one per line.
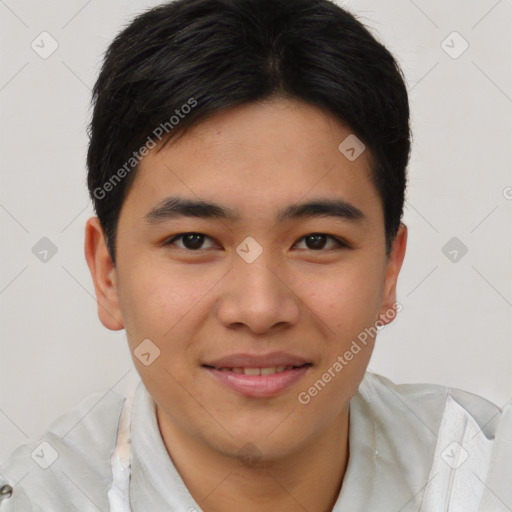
341,243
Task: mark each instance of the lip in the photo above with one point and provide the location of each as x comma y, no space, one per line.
258,386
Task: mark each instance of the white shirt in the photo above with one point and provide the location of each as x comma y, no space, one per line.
413,447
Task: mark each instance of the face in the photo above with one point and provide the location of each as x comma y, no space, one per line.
249,283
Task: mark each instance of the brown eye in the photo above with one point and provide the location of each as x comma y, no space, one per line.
317,241
190,241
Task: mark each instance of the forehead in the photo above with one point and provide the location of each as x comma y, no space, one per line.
255,159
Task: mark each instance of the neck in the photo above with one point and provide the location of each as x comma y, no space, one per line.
309,479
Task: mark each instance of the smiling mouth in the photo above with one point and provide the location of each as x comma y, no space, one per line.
258,382
257,371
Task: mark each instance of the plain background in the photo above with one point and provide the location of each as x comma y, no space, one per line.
456,324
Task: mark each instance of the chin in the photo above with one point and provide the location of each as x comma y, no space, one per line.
265,444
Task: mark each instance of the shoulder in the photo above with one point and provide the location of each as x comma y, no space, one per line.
424,404
411,422
68,467
465,439
412,434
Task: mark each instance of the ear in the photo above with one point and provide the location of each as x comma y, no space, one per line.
103,274
394,264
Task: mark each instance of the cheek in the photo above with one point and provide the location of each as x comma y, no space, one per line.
346,299
158,302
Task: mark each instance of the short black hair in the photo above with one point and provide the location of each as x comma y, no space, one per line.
181,62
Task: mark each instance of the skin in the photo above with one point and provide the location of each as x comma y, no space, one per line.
197,306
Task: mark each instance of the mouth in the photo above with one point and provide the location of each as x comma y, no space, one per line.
258,377
269,370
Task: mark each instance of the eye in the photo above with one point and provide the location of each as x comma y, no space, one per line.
317,241
191,241
314,241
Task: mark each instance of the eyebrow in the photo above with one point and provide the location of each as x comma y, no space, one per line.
174,207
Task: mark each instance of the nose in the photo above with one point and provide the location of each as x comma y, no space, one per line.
256,295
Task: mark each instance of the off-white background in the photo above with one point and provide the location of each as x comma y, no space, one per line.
456,324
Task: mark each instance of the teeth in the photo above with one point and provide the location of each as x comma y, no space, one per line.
257,371
252,371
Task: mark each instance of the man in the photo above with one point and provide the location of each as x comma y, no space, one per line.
247,165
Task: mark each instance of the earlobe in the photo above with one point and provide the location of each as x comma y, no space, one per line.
103,274
388,311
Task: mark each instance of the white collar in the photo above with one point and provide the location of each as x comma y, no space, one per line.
377,469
